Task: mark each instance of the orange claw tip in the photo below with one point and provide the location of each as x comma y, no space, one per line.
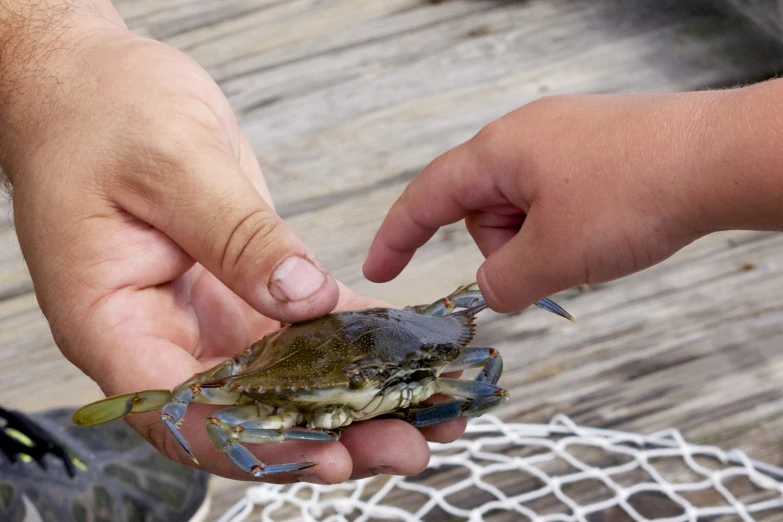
502,393
113,408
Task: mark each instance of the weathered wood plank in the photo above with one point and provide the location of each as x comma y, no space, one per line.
427,77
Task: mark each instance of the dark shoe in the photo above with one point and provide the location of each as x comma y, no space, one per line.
54,471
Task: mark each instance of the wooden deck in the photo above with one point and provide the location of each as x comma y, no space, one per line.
346,100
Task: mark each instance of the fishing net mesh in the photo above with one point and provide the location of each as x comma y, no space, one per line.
542,472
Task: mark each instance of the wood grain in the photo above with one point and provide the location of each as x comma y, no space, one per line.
344,101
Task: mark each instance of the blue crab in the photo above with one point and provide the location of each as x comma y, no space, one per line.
308,380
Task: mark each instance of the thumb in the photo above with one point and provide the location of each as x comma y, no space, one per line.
533,265
222,222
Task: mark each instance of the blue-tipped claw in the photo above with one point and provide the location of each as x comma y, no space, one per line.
551,306
168,421
243,458
281,468
438,414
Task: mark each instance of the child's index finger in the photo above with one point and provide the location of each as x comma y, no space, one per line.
444,193
402,232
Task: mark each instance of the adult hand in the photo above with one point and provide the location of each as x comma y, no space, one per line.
148,229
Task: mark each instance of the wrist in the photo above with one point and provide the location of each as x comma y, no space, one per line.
43,20
665,158
741,176
40,59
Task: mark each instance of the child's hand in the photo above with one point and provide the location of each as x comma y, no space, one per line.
580,189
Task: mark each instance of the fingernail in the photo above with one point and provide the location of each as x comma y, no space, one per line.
311,479
295,279
385,470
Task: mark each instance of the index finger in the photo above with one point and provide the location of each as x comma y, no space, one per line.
445,192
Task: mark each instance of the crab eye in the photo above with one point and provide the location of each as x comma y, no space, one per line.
356,382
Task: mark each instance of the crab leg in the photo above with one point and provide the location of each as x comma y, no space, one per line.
469,296
482,405
475,397
468,389
492,370
226,429
191,391
551,306
450,410
246,461
174,412
455,408
112,408
489,358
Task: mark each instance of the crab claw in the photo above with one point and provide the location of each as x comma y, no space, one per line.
113,408
551,306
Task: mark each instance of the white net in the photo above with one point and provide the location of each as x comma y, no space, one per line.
543,472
